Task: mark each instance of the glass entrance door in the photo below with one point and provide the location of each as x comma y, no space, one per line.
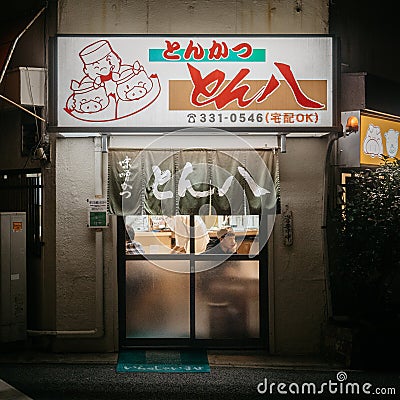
192,281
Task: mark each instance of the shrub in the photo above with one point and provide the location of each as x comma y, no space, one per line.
365,254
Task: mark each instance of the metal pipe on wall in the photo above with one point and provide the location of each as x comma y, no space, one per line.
100,187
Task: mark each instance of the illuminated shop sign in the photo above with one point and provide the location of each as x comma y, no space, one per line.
171,82
378,136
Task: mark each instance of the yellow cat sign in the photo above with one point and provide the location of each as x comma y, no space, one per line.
378,136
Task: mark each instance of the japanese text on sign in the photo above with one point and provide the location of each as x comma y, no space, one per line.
210,81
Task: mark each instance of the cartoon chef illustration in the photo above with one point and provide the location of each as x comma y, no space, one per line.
100,61
110,90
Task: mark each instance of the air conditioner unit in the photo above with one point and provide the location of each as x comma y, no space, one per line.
26,86
12,276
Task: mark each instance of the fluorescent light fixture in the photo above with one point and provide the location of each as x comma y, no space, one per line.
77,134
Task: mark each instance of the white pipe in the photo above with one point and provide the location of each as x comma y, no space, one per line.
282,142
22,108
100,181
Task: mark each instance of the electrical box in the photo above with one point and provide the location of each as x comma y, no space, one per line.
26,86
12,276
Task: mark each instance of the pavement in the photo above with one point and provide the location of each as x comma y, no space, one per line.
7,392
232,376
230,359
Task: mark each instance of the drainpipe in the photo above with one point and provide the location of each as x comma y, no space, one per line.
333,137
100,168
282,142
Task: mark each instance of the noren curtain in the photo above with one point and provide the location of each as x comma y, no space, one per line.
192,181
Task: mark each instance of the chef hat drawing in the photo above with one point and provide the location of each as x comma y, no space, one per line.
95,51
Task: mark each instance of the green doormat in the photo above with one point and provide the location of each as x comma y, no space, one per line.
163,361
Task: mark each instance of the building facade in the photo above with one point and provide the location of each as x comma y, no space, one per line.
78,296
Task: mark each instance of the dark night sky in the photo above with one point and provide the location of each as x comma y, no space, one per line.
369,34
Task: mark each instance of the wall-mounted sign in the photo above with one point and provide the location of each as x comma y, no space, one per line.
170,82
17,226
97,213
378,136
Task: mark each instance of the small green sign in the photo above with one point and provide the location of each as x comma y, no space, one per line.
98,218
97,213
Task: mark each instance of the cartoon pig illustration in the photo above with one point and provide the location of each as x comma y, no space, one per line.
87,98
392,143
133,83
373,144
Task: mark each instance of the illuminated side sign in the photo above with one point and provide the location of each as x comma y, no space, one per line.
235,83
378,136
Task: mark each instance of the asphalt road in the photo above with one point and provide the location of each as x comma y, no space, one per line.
78,382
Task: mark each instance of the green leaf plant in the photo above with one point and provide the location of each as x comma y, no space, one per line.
365,247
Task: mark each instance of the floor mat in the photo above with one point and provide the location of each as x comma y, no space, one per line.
163,361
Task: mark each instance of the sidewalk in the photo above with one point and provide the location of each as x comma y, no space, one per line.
216,358
7,392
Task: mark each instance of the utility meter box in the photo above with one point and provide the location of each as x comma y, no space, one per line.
26,86
12,276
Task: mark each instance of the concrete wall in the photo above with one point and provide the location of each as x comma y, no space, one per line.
75,279
299,279
76,252
297,291
191,16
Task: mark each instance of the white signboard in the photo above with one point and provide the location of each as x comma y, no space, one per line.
229,82
97,213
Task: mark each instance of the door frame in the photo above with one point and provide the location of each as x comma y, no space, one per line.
247,343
